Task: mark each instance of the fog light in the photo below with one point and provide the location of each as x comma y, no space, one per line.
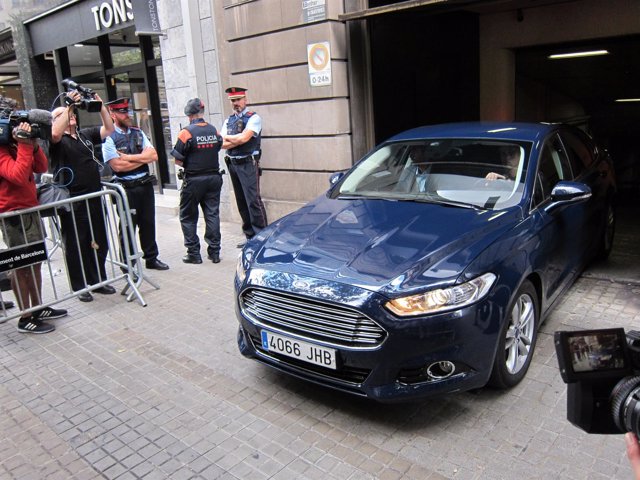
440,370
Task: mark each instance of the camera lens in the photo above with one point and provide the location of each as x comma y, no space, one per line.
625,405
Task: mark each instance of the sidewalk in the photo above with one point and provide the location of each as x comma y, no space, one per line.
124,391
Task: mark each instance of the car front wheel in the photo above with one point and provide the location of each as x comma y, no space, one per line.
517,338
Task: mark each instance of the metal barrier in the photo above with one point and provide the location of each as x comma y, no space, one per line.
43,260
130,257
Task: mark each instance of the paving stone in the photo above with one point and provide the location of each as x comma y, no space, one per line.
106,396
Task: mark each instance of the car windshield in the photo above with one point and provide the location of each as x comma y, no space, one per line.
480,173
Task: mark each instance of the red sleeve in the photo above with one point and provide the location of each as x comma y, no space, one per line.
20,170
40,163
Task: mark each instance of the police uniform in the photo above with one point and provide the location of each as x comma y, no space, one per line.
244,170
137,183
197,149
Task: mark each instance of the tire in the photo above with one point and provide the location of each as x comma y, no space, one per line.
517,339
608,232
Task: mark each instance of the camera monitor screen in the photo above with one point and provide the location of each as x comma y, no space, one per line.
592,354
596,351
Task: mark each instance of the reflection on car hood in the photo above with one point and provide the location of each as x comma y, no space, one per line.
379,244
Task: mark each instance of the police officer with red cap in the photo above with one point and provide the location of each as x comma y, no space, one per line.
197,151
129,153
241,133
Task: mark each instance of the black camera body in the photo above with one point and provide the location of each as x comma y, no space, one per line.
602,371
40,121
87,102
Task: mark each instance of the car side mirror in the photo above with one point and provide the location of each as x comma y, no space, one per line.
335,178
565,192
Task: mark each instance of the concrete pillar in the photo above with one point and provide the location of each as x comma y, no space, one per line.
193,42
37,75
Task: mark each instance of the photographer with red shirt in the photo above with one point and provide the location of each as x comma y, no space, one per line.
19,160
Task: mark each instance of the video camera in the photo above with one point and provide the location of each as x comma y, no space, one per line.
87,102
602,371
40,121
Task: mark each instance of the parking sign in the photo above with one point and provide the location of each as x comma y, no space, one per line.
319,59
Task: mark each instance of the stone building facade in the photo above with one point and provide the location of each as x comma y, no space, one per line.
263,46
388,65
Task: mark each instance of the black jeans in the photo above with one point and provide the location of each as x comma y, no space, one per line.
86,252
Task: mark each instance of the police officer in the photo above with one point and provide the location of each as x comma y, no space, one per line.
129,154
197,151
241,133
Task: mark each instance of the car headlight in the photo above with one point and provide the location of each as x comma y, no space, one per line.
241,267
443,299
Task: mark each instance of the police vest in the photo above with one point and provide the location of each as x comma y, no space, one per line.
130,142
237,125
204,145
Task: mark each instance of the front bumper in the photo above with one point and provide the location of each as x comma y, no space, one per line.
395,368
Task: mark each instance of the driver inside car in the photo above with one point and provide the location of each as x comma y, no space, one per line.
510,158
414,176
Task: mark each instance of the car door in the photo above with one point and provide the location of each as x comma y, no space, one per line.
562,245
586,169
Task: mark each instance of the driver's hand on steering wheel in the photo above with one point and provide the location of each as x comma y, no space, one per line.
495,176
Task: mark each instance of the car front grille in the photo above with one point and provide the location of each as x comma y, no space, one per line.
326,322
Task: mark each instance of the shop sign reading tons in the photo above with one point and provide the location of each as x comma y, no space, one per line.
82,20
115,12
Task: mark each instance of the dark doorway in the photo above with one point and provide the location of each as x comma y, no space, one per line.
425,70
587,91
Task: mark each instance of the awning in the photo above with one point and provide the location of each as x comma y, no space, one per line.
77,21
407,5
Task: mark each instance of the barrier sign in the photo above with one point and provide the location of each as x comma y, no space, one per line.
22,256
319,58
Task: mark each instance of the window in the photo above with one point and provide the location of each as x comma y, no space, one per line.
552,168
580,153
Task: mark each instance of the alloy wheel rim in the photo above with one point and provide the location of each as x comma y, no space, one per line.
519,334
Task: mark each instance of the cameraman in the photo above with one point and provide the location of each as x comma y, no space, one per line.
74,148
19,160
633,453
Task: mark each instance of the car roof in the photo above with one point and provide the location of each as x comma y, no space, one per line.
491,130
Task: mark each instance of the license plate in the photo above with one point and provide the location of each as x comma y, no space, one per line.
307,352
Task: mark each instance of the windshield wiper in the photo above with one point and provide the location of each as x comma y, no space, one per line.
356,196
420,198
449,203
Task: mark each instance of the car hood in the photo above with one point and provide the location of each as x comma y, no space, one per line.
379,245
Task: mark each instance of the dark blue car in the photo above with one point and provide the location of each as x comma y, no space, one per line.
428,267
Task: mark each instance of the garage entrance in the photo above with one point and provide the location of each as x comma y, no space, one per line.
424,69
595,85
433,62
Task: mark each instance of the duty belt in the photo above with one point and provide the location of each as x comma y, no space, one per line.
136,182
202,174
239,161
